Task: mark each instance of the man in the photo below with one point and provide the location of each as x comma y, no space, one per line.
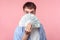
22,33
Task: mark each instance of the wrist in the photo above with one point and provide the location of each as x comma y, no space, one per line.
27,33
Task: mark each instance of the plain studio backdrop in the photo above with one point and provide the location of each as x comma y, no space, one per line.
48,12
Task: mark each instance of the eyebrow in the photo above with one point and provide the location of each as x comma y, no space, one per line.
31,11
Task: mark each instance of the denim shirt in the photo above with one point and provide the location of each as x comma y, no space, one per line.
19,31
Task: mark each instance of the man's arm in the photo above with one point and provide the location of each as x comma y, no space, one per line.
27,32
18,33
42,33
25,36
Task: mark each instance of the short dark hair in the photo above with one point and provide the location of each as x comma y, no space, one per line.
29,5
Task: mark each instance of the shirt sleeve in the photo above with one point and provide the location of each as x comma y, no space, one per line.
18,33
42,33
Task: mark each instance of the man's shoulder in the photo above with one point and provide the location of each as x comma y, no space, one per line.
19,29
41,28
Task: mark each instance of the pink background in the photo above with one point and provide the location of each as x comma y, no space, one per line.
48,12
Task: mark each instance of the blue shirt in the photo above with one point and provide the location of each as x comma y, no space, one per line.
19,31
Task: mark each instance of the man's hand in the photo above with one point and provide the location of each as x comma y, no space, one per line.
28,28
27,31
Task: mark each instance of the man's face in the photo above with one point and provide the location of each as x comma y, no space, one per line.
27,10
